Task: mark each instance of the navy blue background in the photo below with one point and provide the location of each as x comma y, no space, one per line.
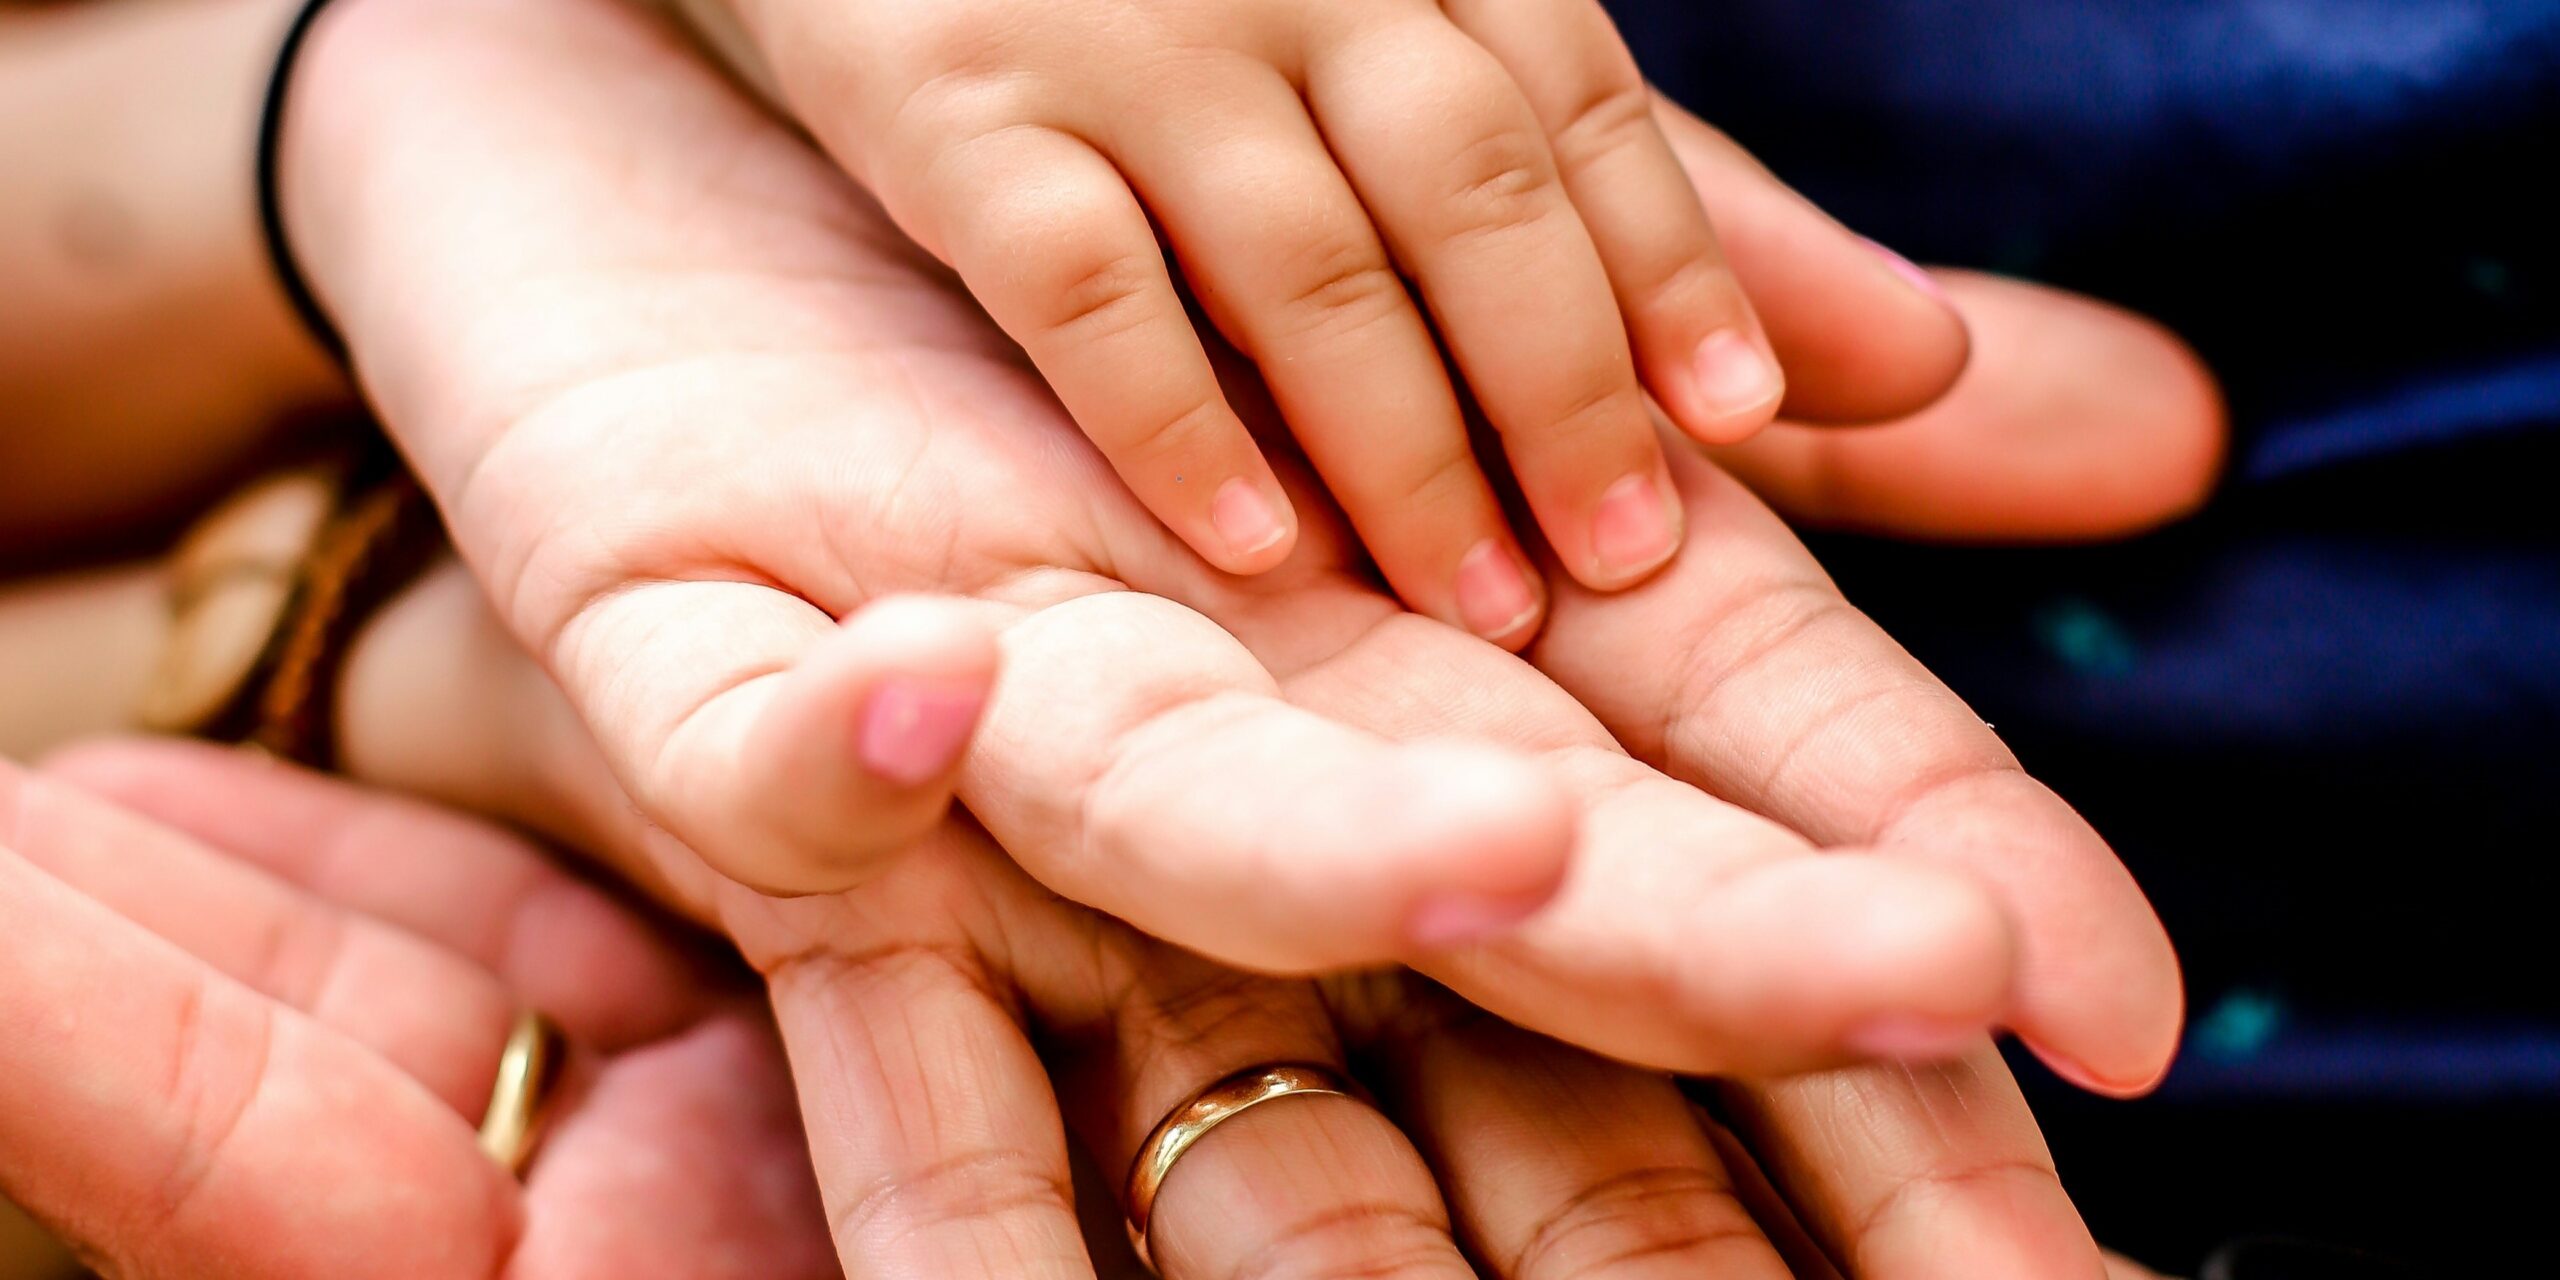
2322,719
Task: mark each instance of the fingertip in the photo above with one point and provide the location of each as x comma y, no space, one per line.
854,753
1253,527
1636,528
1499,598
1501,840
2130,1056
1915,349
1732,386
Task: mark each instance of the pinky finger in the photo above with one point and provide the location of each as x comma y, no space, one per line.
1056,246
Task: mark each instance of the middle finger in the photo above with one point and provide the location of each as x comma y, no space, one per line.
1439,141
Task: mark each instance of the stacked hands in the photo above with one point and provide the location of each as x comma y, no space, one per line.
775,543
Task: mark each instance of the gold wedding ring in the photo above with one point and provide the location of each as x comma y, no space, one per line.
527,1069
1207,1109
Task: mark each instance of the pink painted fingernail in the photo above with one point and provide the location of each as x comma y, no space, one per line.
1633,531
1456,919
1907,269
1910,1039
913,732
1494,595
1245,519
1733,377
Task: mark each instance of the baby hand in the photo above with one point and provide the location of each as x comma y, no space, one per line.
1312,166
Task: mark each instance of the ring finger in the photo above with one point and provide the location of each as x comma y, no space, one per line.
1307,1186
1284,259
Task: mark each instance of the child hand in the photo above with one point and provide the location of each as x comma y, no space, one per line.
1304,160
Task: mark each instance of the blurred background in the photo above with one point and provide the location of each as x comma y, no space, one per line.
2322,718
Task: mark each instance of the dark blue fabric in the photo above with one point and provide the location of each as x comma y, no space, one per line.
2322,720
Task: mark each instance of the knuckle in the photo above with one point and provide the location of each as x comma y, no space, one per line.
1596,405
296,952
1914,1193
1679,272
1443,480
1649,1215
1342,286
1098,293
214,1079
1612,115
966,1190
1360,1240
1503,182
1188,431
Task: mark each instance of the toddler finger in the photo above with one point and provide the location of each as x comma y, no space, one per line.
1049,237
1435,136
1283,256
1697,342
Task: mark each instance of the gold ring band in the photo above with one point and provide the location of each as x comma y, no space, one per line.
527,1069
1192,1121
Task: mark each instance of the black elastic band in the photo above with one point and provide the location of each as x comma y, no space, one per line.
280,259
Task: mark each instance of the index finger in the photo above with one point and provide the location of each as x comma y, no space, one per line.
1746,674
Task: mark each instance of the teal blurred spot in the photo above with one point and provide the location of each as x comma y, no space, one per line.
2238,1026
2489,276
2086,638
2018,255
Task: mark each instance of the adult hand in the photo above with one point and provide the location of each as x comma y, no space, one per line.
929,1012
263,1056
686,400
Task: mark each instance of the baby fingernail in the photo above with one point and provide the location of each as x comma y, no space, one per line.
913,732
1633,530
1245,519
1734,378
1457,919
1910,271
1910,1039
1494,595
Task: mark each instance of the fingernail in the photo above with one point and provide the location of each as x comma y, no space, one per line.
1632,532
1909,1039
913,732
1454,920
1733,377
1907,269
1494,595
1244,518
